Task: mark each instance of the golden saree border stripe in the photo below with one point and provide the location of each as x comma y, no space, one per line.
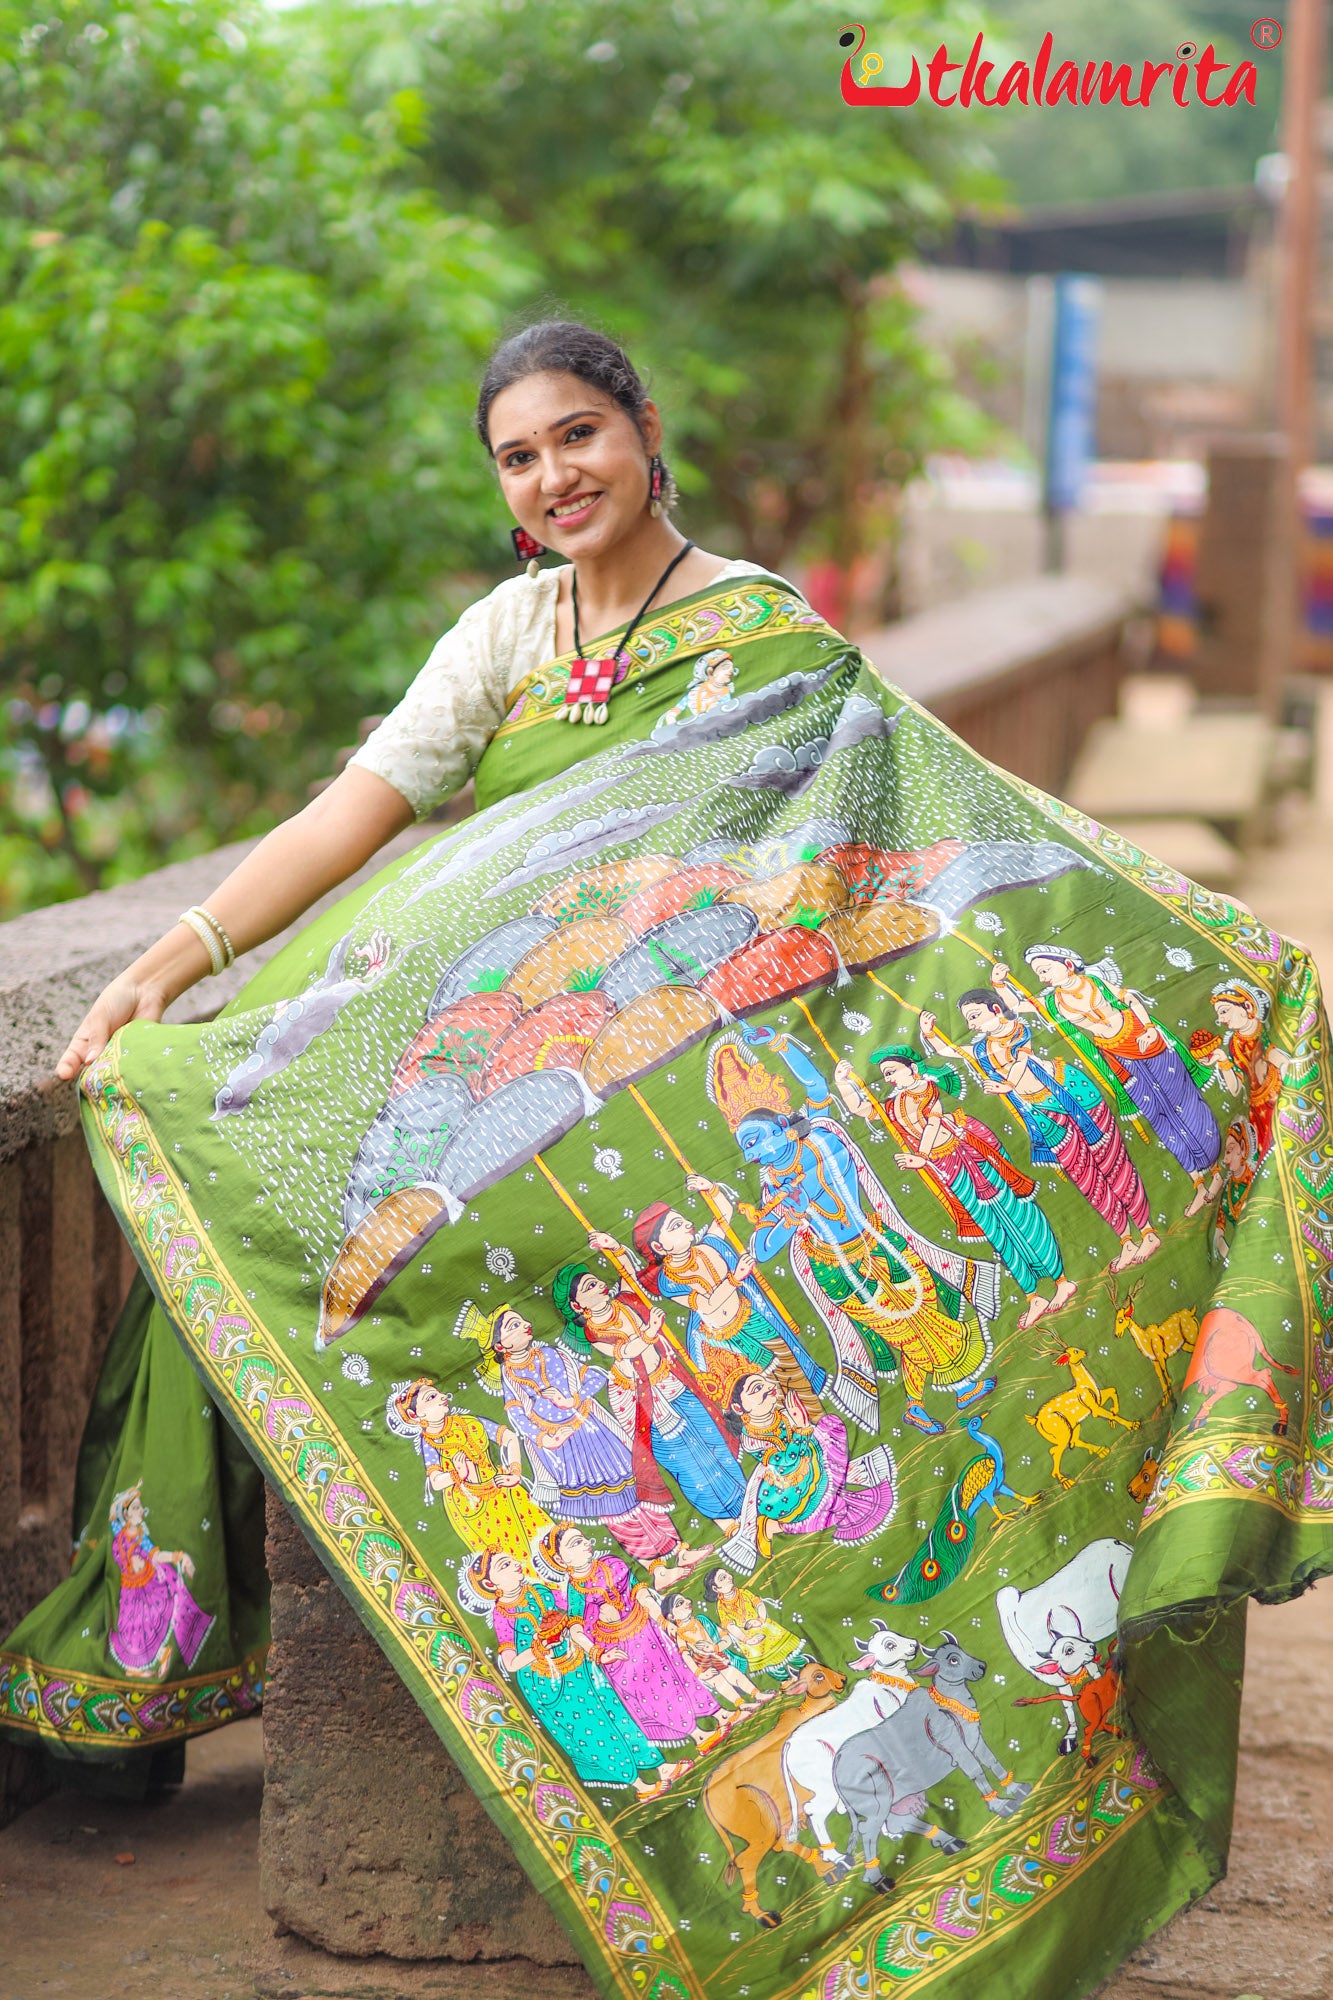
321,1477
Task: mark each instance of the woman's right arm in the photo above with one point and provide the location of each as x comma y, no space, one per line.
290,869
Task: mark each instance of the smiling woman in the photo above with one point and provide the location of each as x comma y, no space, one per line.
797,1337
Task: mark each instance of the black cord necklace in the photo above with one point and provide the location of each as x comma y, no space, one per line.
591,681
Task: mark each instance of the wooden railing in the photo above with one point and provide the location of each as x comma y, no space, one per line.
1021,673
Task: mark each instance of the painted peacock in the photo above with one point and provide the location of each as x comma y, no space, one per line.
944,1553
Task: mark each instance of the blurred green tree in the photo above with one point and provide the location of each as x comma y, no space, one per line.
237,356
1106,151
687,175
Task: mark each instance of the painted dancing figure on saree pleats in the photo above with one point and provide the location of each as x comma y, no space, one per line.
745,1622
1245,1064
155,1610
652,1389
986,1197
1148,1068
889,1297
731,1326
549,1654
486,1508
629,1643
588,1468
1240,1163
1070,1123
805,1480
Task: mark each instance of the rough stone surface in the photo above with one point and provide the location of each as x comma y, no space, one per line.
371,1840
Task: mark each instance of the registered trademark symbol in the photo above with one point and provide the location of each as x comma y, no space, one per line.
1266,33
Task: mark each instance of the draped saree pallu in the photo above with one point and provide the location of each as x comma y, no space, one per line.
824,1556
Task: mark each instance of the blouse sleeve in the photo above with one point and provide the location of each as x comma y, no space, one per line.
431,743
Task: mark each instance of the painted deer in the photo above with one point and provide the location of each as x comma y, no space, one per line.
1225,1360
1059,1420
1159,1342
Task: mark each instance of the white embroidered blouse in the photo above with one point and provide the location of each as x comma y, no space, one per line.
432,742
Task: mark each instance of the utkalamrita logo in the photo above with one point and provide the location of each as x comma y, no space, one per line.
1036,83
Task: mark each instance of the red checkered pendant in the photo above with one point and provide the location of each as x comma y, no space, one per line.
589,689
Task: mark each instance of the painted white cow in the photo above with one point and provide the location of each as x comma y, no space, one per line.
807,1755
1052,1627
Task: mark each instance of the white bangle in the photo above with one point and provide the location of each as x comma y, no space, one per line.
207,938
228,948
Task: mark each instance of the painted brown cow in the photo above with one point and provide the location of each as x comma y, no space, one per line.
746,1796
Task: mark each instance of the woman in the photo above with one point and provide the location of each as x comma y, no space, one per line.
485,1508
731,1325
1243,1058
156,1610
985,1196
272,1231
745,1621
1069,1122
805,1480
623,1626
653,1390
550,1656
586,1467
1149,1069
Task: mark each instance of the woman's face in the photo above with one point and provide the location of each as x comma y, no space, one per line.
674,1235
505,1575
134,1514
573,465
981,1019
591,1295
513,1333
723,1582
575,1551
898,1075
1051,971
678,1610
723,673
430,1404
1234,1014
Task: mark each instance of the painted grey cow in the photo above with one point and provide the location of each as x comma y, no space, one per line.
883,1774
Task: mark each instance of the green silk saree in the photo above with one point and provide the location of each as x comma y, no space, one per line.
787,1275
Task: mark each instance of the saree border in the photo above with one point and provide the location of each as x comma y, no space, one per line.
675,633
568,1845
197,1703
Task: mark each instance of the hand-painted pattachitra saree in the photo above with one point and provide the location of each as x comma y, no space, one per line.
787,1275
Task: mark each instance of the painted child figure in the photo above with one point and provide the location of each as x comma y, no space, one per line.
704,1651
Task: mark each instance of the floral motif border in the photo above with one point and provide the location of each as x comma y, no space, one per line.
625,1929
86,1708
729,618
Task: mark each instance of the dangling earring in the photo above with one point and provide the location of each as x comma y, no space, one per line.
656,472
527,549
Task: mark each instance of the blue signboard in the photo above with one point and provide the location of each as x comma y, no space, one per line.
1071,414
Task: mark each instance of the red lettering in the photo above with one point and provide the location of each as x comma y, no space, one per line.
974,78
1114,83
1042,65
1014,83
1063,84
937,69
1152,76
1205,69
1241,84
1180,84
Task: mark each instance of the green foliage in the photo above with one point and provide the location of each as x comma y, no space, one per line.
236,363
1106,151
688,176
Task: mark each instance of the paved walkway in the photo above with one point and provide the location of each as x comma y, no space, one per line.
163,1902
